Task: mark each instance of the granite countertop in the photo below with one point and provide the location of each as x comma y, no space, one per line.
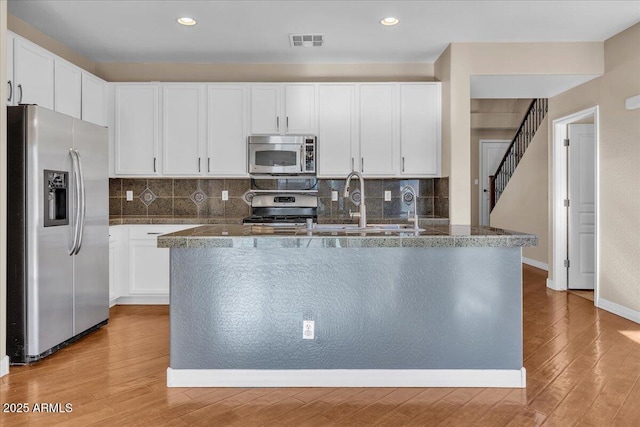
256,236
168,220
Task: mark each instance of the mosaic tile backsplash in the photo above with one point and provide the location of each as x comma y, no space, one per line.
202,198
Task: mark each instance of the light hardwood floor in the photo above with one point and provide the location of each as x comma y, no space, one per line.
582,363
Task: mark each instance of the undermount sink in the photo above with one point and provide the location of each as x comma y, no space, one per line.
371,228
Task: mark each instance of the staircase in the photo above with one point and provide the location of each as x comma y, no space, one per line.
498,182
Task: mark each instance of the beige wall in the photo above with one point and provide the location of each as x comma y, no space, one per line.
442,71
3,180
523,205
619,165
467,59
167,72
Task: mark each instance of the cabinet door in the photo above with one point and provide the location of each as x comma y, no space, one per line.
67,88
113,268
33,74
265,110
419,129
227,139
183,129
136,129
377,129
94,99
148,267
300,111
336,130
11,84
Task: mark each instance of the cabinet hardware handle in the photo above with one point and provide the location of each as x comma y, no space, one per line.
198,164
20,99
287,123
353,164
362,164
403,164
151,233
10,90
208,164
154,164
278,123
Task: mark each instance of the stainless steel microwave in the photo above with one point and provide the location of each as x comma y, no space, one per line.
282,155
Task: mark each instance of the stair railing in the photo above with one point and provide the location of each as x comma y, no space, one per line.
530,124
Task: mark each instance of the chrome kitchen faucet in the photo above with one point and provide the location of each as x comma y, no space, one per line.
405,191
362,214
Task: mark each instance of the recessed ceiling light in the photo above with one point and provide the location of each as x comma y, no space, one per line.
186,21
389,21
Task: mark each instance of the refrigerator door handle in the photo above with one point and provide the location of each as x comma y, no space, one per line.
74,174
83,205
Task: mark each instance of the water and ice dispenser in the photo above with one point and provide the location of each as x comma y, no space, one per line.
56,198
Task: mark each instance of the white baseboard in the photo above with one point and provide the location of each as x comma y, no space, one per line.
619,310
112,302
143,300
4,366
552,286
536,264
347,378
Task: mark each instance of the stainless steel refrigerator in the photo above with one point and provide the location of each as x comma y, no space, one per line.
57,231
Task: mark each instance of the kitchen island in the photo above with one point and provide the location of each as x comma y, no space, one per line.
440,307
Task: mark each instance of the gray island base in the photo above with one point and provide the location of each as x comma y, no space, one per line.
436,308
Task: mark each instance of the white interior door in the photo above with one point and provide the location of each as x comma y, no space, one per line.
491,155
582,203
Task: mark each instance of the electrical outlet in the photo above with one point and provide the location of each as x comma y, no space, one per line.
129,195
225,195
475,182
334,196
308,329
387,195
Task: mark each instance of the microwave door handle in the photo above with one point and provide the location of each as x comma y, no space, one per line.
302,162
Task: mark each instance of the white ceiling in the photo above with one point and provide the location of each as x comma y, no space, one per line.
258,31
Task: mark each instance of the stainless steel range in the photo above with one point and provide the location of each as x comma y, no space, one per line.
283,208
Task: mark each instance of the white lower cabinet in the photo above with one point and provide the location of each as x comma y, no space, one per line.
143,271
113,264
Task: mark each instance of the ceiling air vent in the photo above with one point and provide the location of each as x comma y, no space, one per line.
306,40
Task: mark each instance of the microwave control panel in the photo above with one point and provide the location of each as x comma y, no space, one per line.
310,155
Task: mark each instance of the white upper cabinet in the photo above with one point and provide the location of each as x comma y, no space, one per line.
197,129
300,109
33,74
11,84
227,130
378,123
94,99
183,129
420,129
337,129
278,109
265,109
67,88
136,129
36,76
